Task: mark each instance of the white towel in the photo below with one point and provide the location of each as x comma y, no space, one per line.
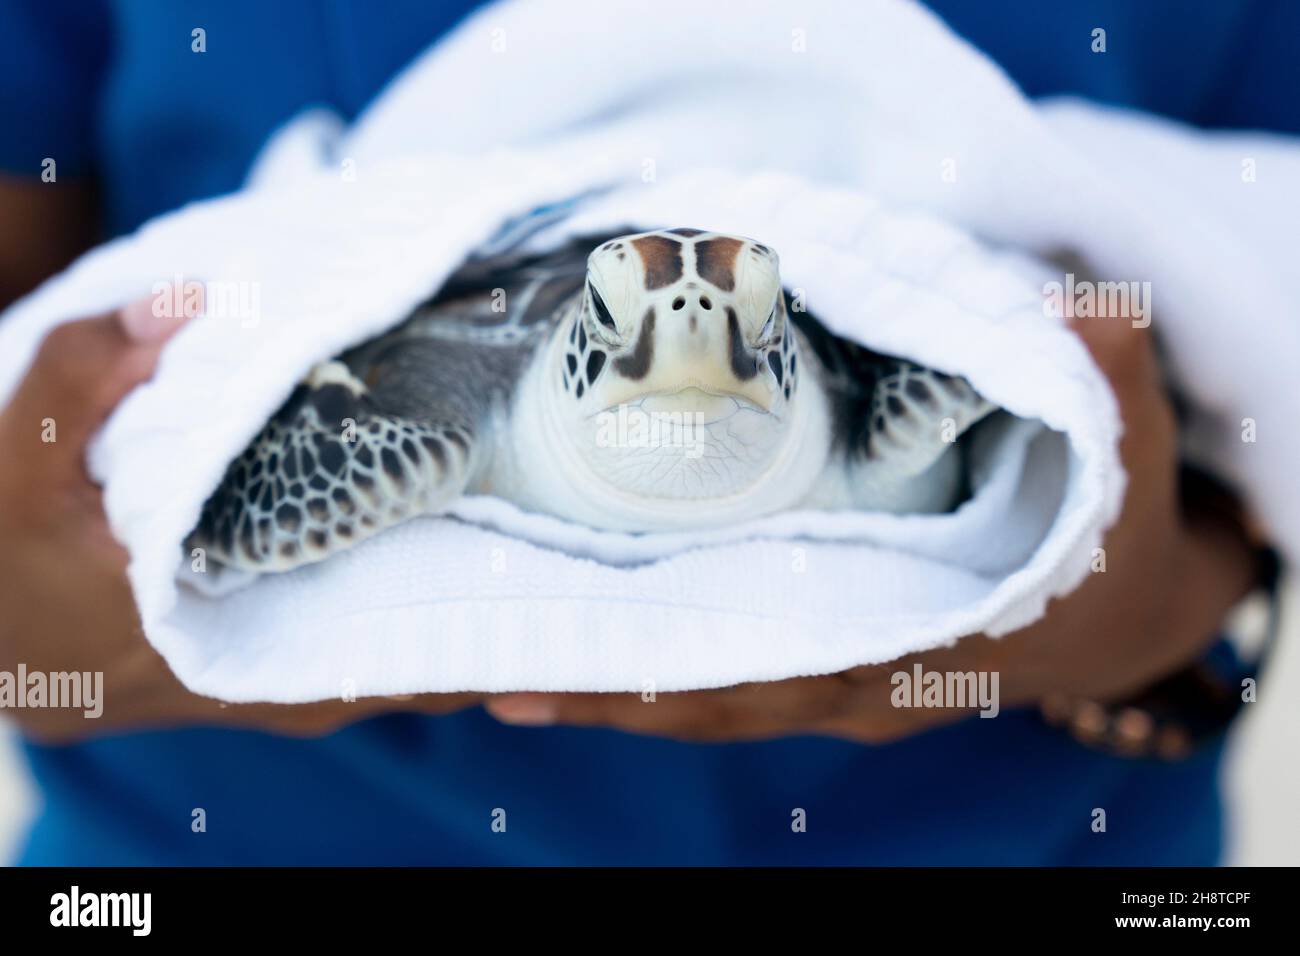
827,133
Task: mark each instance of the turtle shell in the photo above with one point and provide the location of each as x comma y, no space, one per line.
505,299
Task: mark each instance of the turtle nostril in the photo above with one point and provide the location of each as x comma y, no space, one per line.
705,303
678,304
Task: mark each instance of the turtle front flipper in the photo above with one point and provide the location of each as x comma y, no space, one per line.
333,467
895,423
917,414
906,458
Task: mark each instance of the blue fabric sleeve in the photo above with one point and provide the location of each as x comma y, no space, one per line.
1259,87
52,59
1205,62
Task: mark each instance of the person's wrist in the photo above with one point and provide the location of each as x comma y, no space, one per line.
1214,565
1217,567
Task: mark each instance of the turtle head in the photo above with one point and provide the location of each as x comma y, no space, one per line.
680,346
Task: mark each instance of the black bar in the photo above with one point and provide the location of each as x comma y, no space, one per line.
328,905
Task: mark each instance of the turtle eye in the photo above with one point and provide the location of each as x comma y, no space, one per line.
601,310
769,327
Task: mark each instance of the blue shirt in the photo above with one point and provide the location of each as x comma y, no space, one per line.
111,88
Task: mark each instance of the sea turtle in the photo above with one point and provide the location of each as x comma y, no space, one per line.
649,382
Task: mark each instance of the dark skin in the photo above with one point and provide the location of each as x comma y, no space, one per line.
1173,569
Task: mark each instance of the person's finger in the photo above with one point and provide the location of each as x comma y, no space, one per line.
1127,357
1149,439
80,373
325,717
692,715
1124,353
743,712
170,702
179,708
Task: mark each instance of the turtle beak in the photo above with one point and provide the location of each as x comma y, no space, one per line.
690,360
706,406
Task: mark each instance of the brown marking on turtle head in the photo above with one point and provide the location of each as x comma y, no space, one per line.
715,261
662,258
742,359
637,365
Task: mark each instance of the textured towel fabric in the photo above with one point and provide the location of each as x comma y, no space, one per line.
870,163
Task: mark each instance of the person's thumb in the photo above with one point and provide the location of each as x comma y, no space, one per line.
80,373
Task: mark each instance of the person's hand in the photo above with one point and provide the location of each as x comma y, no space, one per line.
1170,578
65,604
